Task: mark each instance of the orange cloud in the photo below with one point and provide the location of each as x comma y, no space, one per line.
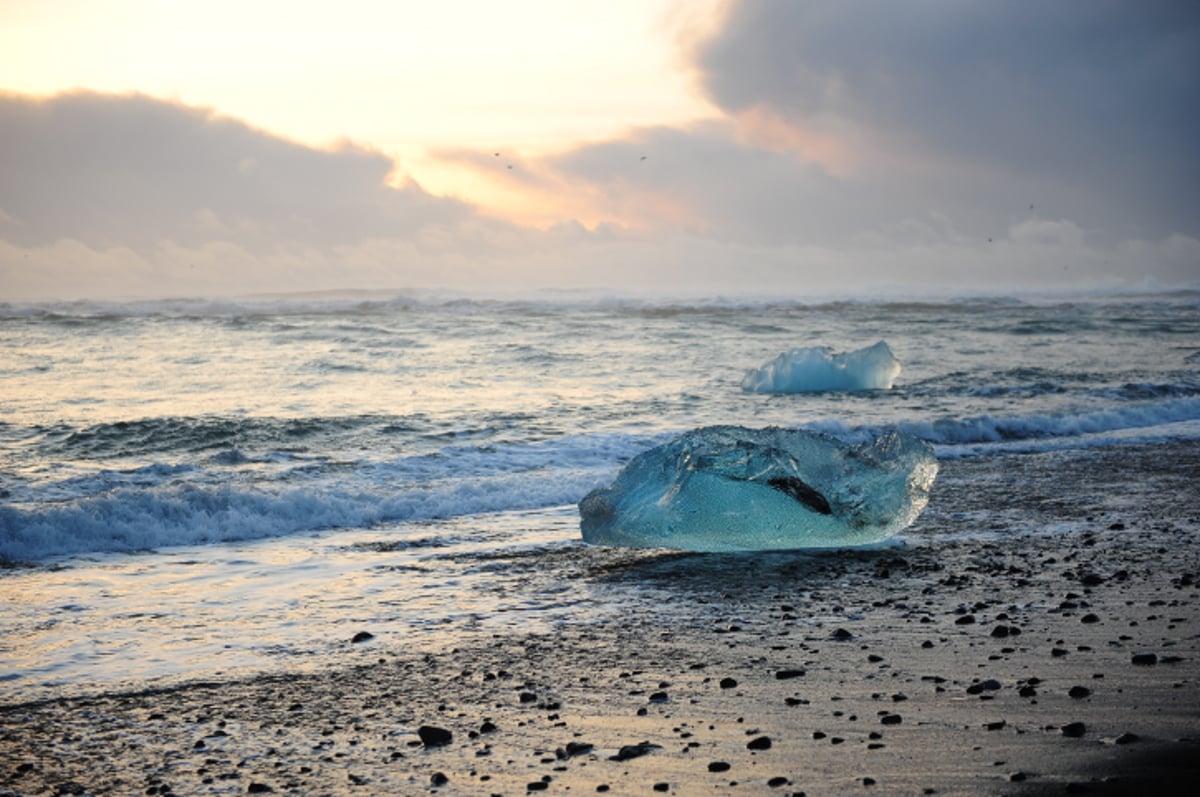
531,193
761,127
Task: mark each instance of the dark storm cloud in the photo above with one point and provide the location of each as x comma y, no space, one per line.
131,171
1100,94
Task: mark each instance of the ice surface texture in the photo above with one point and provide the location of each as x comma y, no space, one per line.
729,488
819,368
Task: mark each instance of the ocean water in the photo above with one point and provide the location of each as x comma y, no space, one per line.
199,488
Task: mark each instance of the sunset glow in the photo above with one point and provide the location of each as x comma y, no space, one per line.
196,148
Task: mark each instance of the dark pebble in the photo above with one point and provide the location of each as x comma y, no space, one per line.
1144,659
362,636
487,727
1017,777
439,779
1027,691
537,785
573,749
995,726
868,781
966,619
783,675
662,786
1089,618
433,736
528,697
990,685
1074,730
1058,652
1091,580
728,683
778,781
842,635
1127,738
761,743
1079,692
891,719
659,697
718,766
259,788
633,751
1000,631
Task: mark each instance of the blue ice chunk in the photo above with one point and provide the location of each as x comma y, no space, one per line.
820,368
729,488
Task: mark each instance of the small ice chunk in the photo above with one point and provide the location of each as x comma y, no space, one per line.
729,488
818,368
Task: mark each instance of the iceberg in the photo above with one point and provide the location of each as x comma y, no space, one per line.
818,368
730,488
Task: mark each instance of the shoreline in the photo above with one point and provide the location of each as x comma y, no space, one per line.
947,666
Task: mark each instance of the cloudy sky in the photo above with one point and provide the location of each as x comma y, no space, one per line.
764,147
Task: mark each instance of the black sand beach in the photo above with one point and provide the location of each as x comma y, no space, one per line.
1039,633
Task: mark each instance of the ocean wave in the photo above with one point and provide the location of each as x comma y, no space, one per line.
242,310
988,429
159,505
135,519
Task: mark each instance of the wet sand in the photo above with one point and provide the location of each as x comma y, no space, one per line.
1055,651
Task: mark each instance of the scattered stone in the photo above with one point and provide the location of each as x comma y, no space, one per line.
1027,691
1091,580
842,635
1089,618
760,743
662,786
1017,777
891,719
572,749
660,697
362,636
433,736
439,779
728,683
718,766
995,726
990,685
1079,692
1074,730
1058,652
1127,738
259,788
1144,659
784,675
966,619
630,751
777,781
537,785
